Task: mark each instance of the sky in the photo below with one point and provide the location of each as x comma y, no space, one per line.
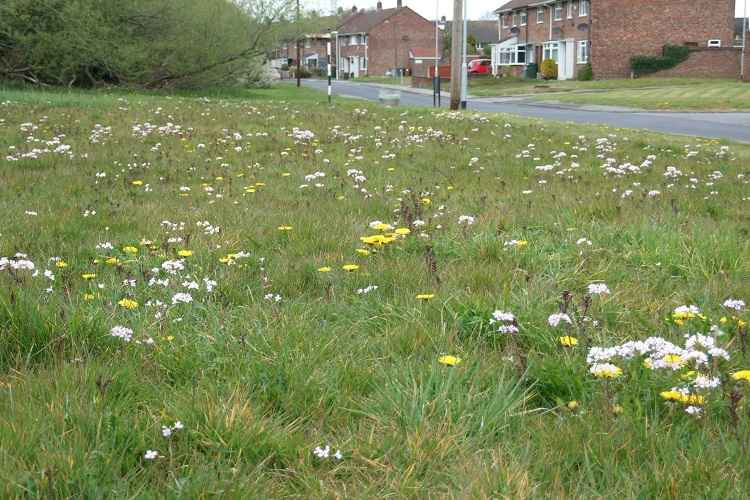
477,8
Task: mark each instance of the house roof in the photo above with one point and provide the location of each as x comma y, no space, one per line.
517,4
363,22
483,31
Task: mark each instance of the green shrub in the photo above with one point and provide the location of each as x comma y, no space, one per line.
586,74
548,69
672,55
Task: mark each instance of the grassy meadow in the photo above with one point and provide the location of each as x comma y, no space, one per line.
253,295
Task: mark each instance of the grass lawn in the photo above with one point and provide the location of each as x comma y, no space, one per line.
188,308
650,93
389,80
703,96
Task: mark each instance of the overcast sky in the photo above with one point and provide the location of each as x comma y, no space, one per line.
427,8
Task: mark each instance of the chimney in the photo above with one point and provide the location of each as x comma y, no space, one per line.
380,5
399,4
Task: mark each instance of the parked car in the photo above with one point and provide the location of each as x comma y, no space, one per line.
480,67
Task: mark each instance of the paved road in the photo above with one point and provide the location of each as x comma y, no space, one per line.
731,126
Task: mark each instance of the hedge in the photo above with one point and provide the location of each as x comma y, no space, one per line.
672,55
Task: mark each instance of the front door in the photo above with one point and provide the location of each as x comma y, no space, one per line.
566,66
354,66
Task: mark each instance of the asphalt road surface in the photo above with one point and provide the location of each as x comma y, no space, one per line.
730,126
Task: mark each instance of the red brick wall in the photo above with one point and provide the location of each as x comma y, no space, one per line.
708,63
622,29
538,33
411,31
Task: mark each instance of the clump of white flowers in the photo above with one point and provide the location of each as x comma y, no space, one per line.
506,322
325,453
598,289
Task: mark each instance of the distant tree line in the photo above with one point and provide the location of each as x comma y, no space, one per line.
143,43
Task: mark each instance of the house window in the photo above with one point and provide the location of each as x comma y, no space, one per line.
504,20
520,54
513,55
552,51
307,43
354,40
570,9
539,15
515,19
558,11
583,8
524,18
363,62
584,47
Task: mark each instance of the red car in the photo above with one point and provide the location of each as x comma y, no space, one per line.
480,67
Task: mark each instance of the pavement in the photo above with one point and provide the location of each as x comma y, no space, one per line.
733,126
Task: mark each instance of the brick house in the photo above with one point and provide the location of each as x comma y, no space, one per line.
607,33
313,51
533,30
379,41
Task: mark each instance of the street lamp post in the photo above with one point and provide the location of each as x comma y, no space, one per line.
464,67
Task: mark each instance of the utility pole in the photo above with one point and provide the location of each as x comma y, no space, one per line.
464,67
436,75
329,70
744,41
456,42
298,44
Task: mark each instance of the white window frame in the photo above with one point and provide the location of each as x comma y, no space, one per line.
515,19
550,48
583,8
570,9
508,56
540,15
524,17
583,52
558,12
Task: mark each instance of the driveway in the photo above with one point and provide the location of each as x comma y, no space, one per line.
730,126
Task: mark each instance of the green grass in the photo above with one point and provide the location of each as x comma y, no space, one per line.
655,93
390,80
703,96
258,384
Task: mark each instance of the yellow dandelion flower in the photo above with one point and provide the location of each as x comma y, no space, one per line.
425,296
606,370
112,261
128,304
350,267
284,228
137,183
324,269
741,375
402,231
617,410
61,264
568,341
672,395
185,253
88,296
448,360
130,249
572,405
88,276
285,174
426,201
363,252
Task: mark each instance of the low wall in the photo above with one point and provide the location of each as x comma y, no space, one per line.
707,63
